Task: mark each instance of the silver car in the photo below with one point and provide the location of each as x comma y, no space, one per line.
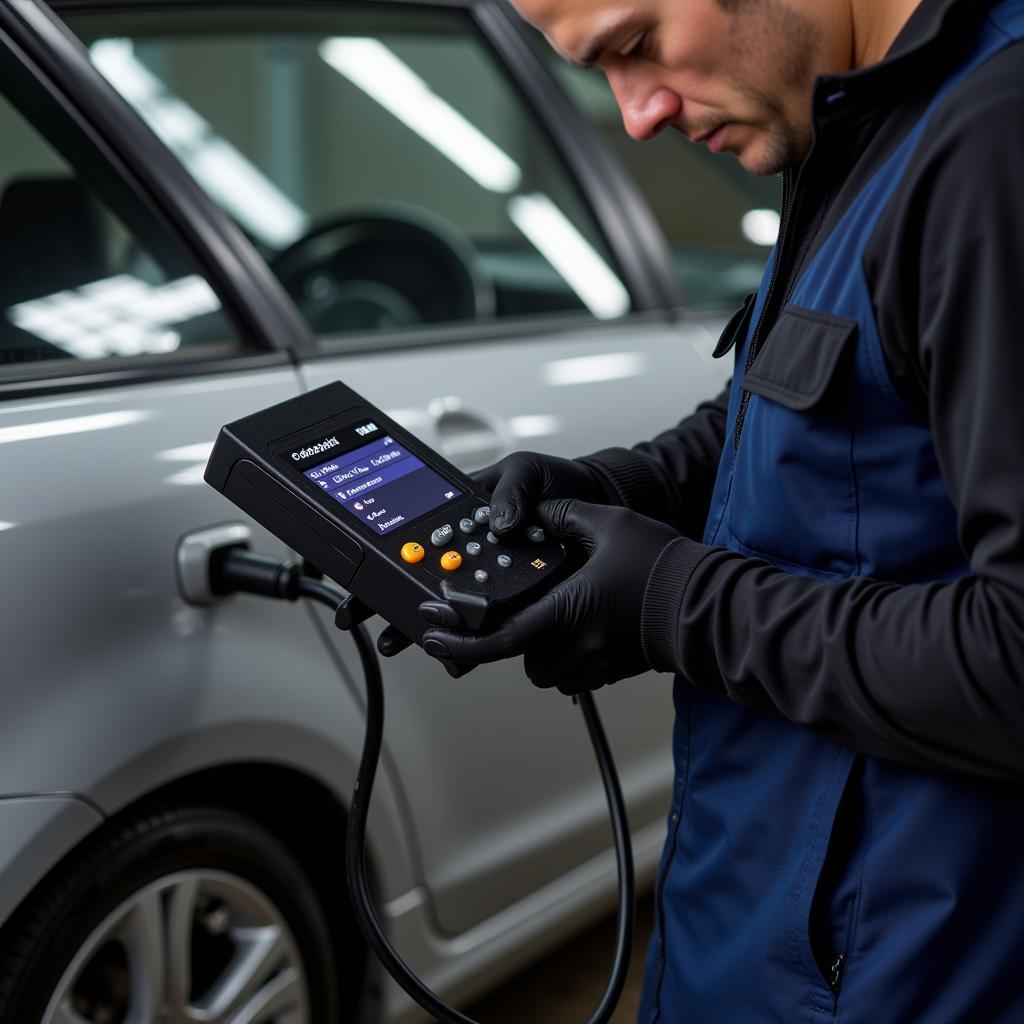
209,208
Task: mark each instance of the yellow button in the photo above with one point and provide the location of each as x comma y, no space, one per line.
413,553
451,560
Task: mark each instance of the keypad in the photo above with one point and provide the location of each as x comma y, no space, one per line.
412,553
442,536
450,561
471,553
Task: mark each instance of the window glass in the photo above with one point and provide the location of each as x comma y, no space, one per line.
76,282
380,159
719,220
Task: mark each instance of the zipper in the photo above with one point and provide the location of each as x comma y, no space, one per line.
835,972
659,902
759,331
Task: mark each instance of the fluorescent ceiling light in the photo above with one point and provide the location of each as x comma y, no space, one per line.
538,425
578,262
188,453
198,454
594,369
411,419
761,226
74,425
191,477
232,180
116,316
7,526
371,66
241,188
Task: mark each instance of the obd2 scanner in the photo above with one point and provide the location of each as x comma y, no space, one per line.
391,521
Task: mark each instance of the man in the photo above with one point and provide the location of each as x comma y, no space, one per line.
831,556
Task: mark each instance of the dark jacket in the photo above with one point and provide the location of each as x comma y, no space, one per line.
862,572
931,676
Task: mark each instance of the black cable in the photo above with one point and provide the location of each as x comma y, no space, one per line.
233,575
316,590
355,847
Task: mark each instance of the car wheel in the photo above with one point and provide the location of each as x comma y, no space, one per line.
167,917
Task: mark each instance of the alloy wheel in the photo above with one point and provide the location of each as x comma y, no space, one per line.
193,947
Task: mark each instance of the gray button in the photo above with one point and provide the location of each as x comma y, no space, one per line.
472,548
504,561
535,533
467,525
480,576
483,515
442,536
491,539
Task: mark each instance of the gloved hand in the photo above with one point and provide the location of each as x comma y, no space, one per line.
521,480
585,632
517,483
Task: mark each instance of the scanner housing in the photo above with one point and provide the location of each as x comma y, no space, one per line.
348,488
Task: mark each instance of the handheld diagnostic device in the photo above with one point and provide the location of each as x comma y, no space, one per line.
377,511
395,524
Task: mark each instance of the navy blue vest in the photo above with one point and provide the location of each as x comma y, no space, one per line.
788,856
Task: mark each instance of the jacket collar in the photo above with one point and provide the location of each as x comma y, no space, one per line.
926,25
933,28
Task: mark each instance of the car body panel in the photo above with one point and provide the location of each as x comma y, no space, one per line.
35,831
130,687
488,836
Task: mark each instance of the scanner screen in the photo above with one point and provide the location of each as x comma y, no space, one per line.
381,483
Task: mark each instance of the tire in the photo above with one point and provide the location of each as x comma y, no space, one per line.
173,914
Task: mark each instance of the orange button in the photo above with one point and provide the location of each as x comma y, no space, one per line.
413,553
451,560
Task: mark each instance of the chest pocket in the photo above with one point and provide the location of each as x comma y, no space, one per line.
794,493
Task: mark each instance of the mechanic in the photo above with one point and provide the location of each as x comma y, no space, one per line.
830,557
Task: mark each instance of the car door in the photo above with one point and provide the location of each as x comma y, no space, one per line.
122,351
471,275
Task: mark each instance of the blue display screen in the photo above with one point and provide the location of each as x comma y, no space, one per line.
383,484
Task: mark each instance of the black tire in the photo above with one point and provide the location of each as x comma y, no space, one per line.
127,856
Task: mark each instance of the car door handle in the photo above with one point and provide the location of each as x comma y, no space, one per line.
466,437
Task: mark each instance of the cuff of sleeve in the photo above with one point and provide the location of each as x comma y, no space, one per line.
663,599
626,477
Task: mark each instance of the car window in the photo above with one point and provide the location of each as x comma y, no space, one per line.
81,286
719,220
381,161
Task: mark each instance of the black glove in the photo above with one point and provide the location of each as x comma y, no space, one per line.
521,480
586,631
517,483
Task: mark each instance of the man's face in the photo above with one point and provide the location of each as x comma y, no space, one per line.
736,74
